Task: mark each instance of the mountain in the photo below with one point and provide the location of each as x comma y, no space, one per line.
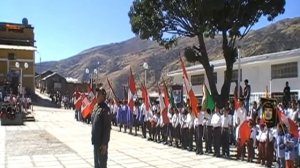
116,59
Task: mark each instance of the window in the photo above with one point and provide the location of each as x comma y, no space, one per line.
197,79
11,56
287,70
235,75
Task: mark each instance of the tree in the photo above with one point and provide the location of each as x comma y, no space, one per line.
165,21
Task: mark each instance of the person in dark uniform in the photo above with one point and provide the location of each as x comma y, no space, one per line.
101,126
286,94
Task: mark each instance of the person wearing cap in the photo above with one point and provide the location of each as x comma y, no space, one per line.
101,127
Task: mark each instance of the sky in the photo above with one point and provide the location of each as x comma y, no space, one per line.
63,28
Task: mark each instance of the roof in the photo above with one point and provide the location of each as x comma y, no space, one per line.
53,74
16,47
247,60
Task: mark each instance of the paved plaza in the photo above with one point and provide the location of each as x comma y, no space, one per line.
56,140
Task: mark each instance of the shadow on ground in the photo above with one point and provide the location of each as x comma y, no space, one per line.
37,100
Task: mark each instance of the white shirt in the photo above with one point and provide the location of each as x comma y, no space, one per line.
200,119
190,120
135,110
240,115
148,116
175,120
169,115
263,135
216,120
183,121
115,108
225,121
207,119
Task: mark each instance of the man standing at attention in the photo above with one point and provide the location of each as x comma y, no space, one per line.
101,126
247,92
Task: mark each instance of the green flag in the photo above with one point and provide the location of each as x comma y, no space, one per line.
207,100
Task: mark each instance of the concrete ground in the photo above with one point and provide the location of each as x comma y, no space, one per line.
55,139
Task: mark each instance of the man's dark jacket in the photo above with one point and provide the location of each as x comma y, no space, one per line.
101,124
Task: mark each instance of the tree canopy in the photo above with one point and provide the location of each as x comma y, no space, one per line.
165,21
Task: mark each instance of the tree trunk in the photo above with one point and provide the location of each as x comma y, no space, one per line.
220,99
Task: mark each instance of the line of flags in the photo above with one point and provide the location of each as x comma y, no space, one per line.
86,101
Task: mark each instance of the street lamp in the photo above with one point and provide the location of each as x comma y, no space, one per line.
96,72
17,64
87,71
146,67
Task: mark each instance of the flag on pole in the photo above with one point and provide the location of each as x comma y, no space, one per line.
145,96
166,95
131,90
207,100
237,104
244,132
76,94
163,107
111,88
290,124
88,103
189,91
78,102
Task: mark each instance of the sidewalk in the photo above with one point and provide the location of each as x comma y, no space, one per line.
55,139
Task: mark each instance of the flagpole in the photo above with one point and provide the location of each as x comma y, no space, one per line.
271,88
239,71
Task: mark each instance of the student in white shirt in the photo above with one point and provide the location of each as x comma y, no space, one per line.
198,124
225,124
216,123
208,131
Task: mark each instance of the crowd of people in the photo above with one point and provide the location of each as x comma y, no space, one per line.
215,131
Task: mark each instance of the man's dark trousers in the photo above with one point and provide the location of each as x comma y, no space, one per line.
100,161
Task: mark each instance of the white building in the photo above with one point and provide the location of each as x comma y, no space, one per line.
263,71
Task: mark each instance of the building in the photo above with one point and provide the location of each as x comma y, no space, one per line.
39,77
17,47
53,83
263,71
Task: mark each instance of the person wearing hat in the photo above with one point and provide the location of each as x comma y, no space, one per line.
101,127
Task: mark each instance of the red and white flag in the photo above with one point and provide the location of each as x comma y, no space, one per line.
166,95
88,103
131,90
78,102
189,91
145,96
293,128
163,108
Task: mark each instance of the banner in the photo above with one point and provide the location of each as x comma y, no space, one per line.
269,112
177,93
